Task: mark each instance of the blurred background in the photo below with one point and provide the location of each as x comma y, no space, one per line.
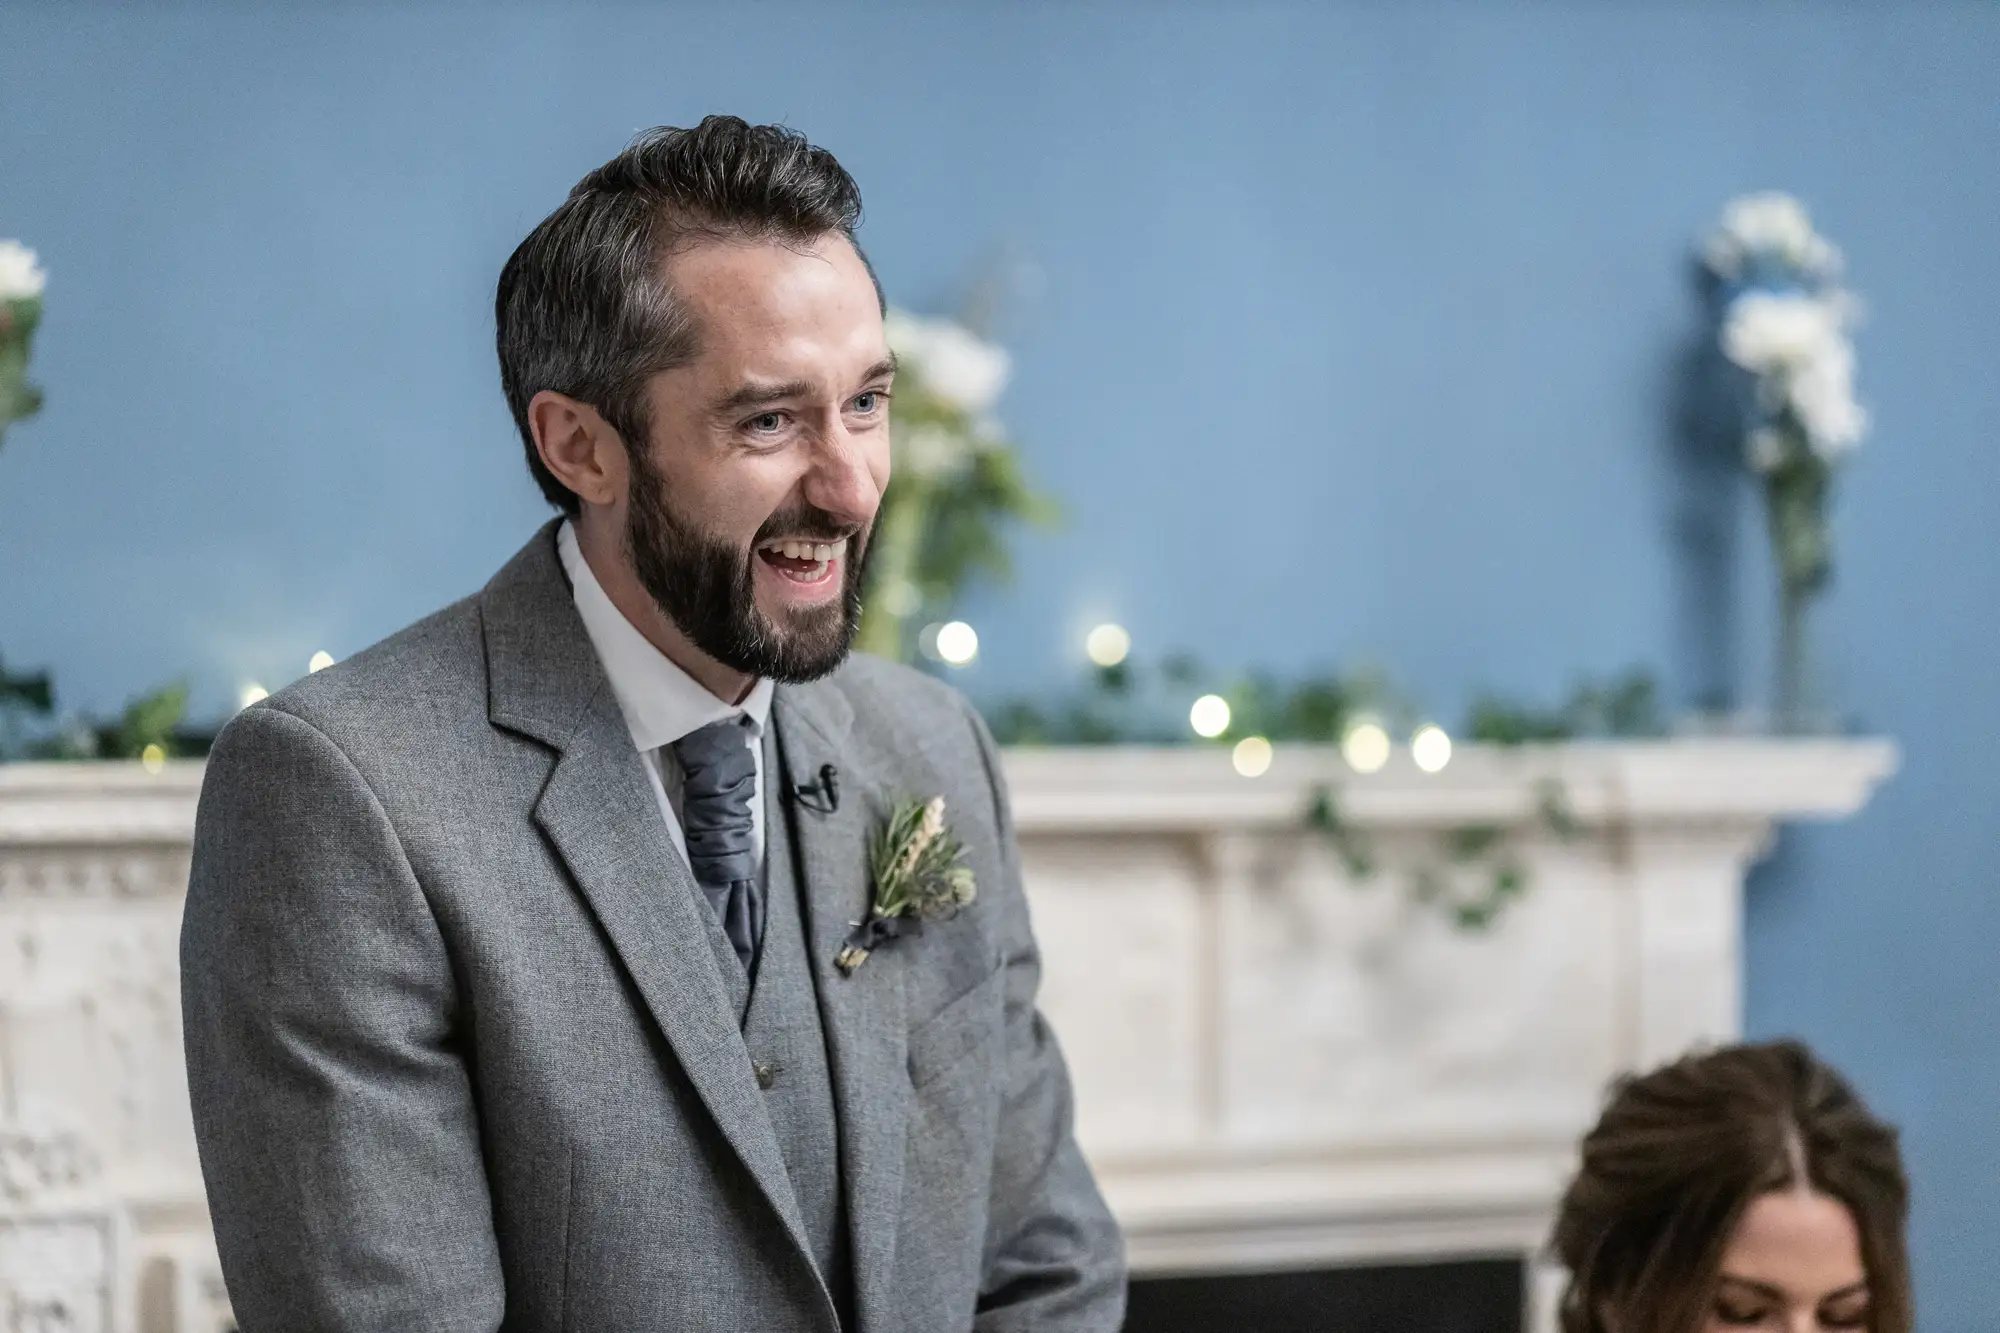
1340,334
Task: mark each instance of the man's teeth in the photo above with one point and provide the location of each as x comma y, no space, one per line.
821,552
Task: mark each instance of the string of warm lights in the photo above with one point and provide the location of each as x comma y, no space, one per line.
1366,746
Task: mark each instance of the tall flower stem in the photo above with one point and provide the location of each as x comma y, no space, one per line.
1796,497
894,564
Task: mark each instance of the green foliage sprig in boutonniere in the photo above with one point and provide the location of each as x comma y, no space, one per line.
914,860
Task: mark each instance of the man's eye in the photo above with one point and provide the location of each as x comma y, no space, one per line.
766,422
869,401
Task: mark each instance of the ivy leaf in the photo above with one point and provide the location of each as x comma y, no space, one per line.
35,692
150,720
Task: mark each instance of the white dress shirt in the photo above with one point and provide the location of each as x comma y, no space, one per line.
661,702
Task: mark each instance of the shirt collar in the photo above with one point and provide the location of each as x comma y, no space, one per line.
661,702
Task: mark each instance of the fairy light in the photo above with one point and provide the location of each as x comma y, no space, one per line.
957,643
1430,748
253,693
1365,747
1252,756
154,757
321,660
1107,644
1209,716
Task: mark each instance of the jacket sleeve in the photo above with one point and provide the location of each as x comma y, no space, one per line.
332,1104
1054,1257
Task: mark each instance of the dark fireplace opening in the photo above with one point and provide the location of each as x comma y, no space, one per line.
1475,1296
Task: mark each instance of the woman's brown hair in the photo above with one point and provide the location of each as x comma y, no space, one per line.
1678,1156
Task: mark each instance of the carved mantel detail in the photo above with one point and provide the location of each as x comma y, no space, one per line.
102,1226
33,1166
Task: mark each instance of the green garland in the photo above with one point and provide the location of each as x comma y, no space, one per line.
1478,870
156,720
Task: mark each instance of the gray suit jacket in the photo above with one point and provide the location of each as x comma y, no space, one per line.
460,1057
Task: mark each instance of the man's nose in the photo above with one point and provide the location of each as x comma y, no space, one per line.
840,481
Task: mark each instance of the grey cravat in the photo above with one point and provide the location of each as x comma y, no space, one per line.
718,785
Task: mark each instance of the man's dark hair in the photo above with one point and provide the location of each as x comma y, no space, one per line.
583,307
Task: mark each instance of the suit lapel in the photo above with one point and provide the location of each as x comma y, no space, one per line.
863,1014
598,810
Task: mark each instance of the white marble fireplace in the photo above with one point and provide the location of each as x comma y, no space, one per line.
1276,1066
1279,1066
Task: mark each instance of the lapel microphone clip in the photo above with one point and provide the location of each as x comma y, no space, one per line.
823,795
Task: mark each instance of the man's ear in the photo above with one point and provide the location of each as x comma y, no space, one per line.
579,446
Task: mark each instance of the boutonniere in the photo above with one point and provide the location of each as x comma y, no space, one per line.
915,862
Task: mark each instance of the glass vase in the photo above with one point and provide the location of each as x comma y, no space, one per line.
1796,495
1798,704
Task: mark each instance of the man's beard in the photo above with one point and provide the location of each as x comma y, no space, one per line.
708,588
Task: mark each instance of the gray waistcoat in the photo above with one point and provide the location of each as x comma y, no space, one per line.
781,1028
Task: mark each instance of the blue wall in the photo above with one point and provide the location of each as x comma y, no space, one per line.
1352,334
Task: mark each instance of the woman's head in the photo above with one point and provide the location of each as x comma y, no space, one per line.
1747,1188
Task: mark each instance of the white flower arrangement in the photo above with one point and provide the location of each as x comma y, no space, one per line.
954,478
1785,319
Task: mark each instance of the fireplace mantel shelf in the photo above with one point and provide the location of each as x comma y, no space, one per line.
1140,788
1188,787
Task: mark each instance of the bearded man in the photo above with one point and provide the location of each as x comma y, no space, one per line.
527,973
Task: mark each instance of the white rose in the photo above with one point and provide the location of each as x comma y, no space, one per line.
1772,331
967,371
21,277
1821,392
1769,224
950,361
1770,221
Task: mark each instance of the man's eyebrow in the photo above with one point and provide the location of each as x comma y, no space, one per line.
759,394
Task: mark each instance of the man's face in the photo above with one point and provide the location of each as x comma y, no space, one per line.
751,503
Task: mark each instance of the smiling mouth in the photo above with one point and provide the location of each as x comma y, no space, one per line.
802,561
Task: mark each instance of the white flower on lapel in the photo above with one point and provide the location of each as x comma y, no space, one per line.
916,863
